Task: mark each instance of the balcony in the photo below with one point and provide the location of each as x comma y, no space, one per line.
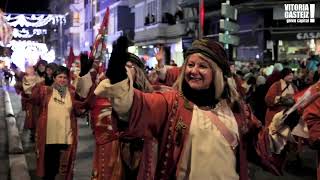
159,32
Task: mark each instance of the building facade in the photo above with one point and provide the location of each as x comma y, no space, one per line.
157,22
264,33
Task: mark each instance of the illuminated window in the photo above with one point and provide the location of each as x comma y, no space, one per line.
76,17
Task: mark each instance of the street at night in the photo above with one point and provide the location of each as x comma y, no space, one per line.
159,89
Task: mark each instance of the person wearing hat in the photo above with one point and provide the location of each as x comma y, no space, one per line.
40,68
280,95
120,152
199,126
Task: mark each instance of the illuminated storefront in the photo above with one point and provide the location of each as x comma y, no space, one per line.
298,46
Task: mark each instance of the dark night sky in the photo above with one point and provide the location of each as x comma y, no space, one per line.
25,6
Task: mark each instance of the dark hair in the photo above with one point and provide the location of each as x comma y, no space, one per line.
41,61
61,70
52,66
252,80
285,72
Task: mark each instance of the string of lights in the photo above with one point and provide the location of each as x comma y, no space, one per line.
34,20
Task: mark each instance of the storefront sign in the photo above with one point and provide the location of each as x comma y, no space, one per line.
229,11
308,35
299,13
229,39
229,26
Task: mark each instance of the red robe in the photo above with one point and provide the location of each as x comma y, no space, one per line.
41,96
32,110
106,156
171,76
311,115
163,124
274,91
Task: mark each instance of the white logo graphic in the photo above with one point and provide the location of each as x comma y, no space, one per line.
299,13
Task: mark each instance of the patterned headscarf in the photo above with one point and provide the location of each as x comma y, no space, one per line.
222,76
214,51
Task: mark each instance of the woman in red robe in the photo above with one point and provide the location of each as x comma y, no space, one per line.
199,127
57,131
280,95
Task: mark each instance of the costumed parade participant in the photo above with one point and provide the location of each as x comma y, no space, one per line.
40,68
117,155
30,79
57,130
203,119
311,117
280,95
307,105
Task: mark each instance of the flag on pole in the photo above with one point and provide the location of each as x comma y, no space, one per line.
202,14
71,58
99,46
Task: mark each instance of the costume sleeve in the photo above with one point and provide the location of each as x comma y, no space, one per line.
141,110
262,141
272,97
168,74
83,85
311,116
149,111
37,94
162,71
120,94
278,133
18,78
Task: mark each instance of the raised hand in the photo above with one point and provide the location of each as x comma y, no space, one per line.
160,56
85,64
116,71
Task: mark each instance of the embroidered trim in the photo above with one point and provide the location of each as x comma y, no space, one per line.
163,167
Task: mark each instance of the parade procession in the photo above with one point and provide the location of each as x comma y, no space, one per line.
159,90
